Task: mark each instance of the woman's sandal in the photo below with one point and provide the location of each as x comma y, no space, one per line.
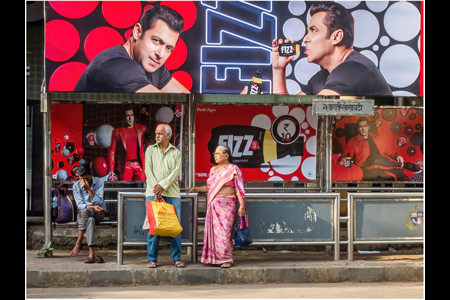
226,265
179,264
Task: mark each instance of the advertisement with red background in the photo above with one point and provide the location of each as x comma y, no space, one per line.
67,140
224,42
81,133
268,143
401,131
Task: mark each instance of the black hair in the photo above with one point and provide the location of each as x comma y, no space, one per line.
338,17
84,169
161,12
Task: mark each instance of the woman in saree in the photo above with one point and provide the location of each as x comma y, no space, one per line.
225,186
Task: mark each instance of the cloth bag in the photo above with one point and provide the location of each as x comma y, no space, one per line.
242,234
162,219
67,206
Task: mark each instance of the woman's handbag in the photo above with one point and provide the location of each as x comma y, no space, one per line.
242,234
162,219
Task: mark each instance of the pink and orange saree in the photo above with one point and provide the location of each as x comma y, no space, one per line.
220,213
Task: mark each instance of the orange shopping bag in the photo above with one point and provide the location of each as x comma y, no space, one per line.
162,219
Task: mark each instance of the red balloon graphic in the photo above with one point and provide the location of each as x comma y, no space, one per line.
61,40
121,14
100,167
99,39
66,77
184,78
73,9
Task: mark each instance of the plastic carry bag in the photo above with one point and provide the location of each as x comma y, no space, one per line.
162,219
242,234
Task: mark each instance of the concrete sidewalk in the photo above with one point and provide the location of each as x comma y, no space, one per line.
250,267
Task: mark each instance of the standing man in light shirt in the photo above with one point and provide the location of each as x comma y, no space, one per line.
162,168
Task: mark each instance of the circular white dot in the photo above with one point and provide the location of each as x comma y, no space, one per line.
402,21
288,70
304,70
294,29
271,173
377,6
286,165
311,145
280,110
262,121
367,28
305,125
293,87
384,40
400,66
370,55
403,94
307,131
275,178
375,48
297,8
309,168
294,178
265,167
312,119
298,113
349,4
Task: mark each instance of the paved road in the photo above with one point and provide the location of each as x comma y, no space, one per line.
344,290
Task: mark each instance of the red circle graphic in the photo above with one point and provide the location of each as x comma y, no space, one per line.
73,9
121,14
66,77
184,78
178,56
99,39
62,40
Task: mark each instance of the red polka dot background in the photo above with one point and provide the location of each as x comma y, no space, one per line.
224,42
401,129
76,31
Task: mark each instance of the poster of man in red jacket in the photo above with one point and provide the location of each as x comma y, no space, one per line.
128,141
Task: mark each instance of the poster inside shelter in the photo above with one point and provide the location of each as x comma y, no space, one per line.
101,135
385,147
223,43
268,143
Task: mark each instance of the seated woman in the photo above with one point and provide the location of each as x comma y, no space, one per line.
224,186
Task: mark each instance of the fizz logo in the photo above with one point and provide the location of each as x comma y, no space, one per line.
236,142
254,89
287,49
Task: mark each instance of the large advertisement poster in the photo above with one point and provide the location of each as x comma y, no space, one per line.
112,138
268,143
386,147
224,43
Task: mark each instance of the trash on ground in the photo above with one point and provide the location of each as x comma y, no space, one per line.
264,250
285,251
367,252
391,249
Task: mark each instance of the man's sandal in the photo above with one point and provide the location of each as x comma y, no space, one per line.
179,264
151,264
89,260
226,265
99,259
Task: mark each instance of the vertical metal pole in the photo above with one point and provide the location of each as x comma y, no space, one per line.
337,203
327,161
192,107
350,225
119,229
195,230
46,116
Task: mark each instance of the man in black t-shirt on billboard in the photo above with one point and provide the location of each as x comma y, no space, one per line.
329,43
138,65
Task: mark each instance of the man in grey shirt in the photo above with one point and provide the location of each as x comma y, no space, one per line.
88,194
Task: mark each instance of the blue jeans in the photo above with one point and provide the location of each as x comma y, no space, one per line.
153,240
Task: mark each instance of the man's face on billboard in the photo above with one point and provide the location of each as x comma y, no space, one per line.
153,50
318,44
129,118
363,129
